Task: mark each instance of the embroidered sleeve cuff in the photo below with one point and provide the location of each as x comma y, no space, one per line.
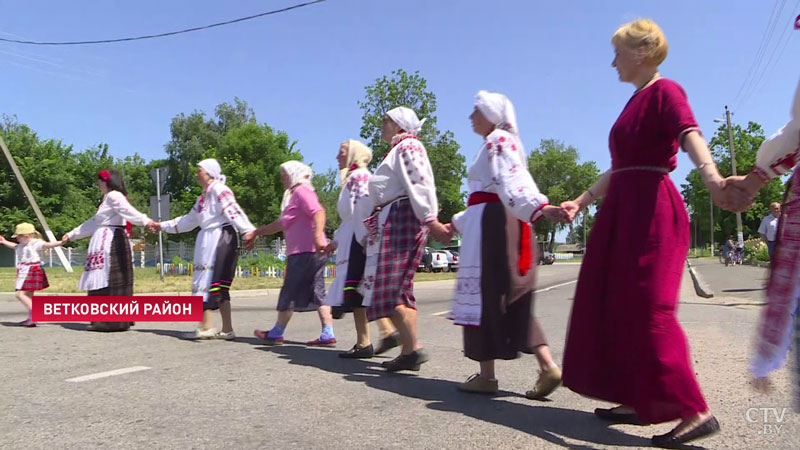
764,176
538,214
428,219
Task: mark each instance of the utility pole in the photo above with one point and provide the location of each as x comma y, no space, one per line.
739,233
711,200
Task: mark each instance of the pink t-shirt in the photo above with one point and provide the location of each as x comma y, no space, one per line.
297,220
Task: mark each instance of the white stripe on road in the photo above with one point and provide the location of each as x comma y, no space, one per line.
554,287
441,313
110,373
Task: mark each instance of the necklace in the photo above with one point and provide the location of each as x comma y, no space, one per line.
655,77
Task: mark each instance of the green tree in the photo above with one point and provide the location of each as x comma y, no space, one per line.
555,168
250,155
49,168
326,185
410,90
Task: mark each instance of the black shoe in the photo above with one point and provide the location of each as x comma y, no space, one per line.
411,361
670,440
358,352
389,342
615,417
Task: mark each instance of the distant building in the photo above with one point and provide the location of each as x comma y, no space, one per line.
575,249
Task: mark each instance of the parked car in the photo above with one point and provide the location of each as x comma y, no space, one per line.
433,261
546,257
452,260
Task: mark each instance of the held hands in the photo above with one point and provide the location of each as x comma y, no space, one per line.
332,246
64,239
250,239
741,191
153,226
571,209
556,214
442,233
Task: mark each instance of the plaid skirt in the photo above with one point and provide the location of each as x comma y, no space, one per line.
402,242
35,280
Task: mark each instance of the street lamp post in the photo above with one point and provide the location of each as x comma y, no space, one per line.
732,149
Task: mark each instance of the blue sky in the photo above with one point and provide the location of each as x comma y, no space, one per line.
304,71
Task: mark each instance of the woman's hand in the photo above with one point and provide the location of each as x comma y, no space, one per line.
556,214
332,246
64,239
571,208
439,231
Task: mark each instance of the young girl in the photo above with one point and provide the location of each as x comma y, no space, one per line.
303,222
30,274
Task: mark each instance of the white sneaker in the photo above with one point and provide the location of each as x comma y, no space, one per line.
226,336
205,334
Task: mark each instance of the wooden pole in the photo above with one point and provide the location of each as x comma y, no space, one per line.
64,261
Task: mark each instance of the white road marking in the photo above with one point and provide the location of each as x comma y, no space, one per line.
110,373
441,313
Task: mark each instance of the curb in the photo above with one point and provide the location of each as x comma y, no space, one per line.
701,288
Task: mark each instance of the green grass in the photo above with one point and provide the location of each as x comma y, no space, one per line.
147,280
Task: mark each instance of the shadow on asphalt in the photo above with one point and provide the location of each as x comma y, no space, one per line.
546,422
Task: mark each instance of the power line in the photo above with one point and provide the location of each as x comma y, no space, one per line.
170,33
781,43
762,48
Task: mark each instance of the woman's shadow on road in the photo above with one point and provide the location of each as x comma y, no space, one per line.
546,422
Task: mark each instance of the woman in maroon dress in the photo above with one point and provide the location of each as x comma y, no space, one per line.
624,343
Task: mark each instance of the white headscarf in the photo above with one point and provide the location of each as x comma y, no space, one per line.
358,156
298,173
498,109
406,119
211,166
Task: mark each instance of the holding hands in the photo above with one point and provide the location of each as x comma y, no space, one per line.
153,226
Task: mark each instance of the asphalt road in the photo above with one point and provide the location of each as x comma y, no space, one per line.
181,394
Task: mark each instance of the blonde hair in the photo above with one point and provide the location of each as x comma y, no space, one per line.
645,37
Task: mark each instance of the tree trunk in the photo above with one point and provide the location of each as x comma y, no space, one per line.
552,240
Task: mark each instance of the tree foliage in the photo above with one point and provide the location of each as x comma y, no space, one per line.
410,90
558,174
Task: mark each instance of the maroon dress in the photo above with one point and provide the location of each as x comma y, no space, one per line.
624,343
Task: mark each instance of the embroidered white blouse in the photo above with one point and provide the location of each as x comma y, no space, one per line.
113,211
501,168
30,252
780,152
215,208
406,171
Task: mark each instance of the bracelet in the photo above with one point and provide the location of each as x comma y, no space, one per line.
703,165
589,191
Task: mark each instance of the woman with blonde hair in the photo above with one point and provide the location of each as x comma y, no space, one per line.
353,158
624,343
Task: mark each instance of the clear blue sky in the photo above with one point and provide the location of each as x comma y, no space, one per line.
304,71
